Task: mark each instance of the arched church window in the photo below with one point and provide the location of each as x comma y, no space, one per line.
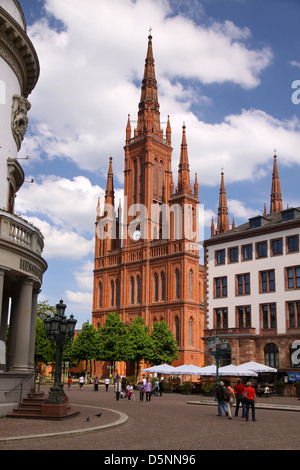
177,284
138,289
191,284
191,332
163,285
160,180
112,293
132,290
156,287
117,293
100,294
177,330
141,181
135,176
155,178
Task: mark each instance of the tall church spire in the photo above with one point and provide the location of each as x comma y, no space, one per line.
276,198
149,106
110,192
223,221
184,167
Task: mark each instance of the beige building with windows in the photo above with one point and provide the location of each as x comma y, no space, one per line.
253,285
21,245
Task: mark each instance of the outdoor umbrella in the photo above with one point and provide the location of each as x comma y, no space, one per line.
188,370
161,369
208,370
257,367
234,371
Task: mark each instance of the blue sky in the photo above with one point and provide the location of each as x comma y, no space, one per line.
224,67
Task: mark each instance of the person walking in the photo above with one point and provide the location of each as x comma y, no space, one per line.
106,381
81,380
221,399
160,387
69,383
250,396
239,396
96,384
142,391
156,388
229,392
148,389
117,389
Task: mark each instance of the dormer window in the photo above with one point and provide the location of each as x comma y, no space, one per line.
289,214
255,222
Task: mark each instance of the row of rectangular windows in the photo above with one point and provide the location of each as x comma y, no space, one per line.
267,313
266,280
261,250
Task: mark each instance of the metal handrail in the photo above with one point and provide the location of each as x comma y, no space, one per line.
33,372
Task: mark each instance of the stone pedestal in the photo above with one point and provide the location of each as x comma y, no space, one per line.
54,411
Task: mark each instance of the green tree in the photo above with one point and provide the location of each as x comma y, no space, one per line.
44,309
113,342
164,344
139,342
44,351
85,346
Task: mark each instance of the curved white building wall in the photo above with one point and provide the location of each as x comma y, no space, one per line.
9,85
12,8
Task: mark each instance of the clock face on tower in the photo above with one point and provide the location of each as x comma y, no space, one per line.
136,235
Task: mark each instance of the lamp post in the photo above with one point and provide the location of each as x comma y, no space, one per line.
218,349
58,328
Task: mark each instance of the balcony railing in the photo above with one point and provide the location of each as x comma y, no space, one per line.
18,231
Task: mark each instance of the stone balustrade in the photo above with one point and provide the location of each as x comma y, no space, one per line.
14,229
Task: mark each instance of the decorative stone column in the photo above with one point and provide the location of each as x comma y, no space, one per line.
20,353
33,327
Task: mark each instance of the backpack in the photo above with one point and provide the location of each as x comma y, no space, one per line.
227,394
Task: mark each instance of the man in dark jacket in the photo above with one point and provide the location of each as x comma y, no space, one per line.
220,393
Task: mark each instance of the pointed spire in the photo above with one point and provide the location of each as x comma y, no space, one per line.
128,129
98,210
110,193
265,209
212,227
233,223
149,99
196,186
223,222
168,131
276,197
184,167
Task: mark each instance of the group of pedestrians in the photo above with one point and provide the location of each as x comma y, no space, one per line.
241,396
123,390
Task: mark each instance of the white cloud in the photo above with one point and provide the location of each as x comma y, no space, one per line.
243,145
62,243
70,204
238,209
87,84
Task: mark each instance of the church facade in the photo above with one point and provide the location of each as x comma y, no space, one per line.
147,248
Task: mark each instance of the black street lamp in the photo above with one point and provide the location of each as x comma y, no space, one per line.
58,328
218,349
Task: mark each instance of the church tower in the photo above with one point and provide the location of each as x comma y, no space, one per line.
151,267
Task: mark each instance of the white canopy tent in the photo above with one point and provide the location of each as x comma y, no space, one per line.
235,371
208,370
161,369
257,367
188,370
